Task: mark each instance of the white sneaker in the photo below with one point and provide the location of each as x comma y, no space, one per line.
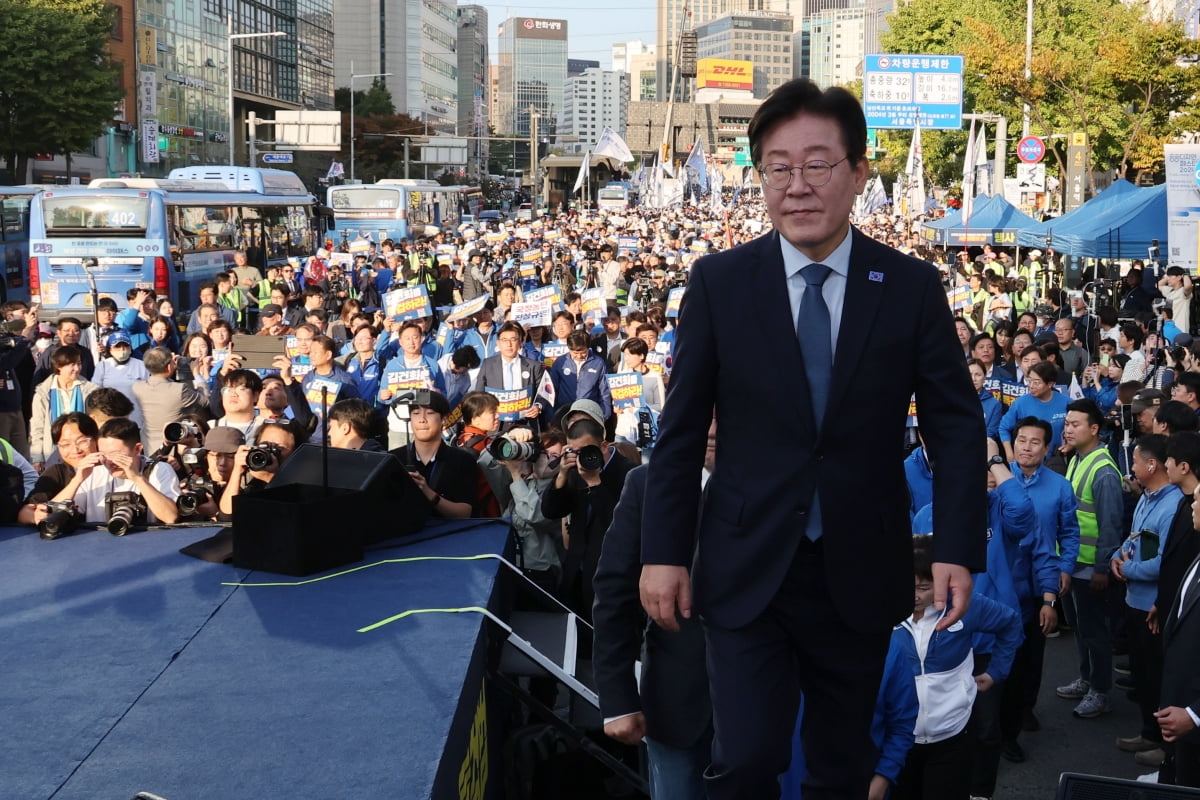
1093,705
1075,690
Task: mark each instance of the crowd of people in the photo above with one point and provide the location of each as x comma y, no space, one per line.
532,383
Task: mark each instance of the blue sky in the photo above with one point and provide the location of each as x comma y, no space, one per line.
591,29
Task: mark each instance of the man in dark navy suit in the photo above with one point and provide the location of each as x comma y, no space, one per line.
804,560
508,369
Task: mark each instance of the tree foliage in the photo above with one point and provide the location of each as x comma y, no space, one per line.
1097,66
59,86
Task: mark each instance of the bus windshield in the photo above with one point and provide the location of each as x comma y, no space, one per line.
614,193
111,213
364,199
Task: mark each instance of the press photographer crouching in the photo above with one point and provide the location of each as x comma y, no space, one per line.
254,466
74,436
109,487
208,472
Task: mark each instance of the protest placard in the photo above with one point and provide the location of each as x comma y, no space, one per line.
626,390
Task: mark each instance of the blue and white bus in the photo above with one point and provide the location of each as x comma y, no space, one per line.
14,240
168,235
392,209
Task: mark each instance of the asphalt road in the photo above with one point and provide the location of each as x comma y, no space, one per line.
1067,744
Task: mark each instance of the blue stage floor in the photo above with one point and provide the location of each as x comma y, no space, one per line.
129,667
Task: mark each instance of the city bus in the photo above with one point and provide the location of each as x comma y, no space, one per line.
166,235
391,209
613,198
471,200
14,239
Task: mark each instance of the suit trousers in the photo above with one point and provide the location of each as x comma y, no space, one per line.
937,771
1146,666
756,673
1024,680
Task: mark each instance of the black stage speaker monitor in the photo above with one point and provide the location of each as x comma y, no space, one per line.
1074,786
295,527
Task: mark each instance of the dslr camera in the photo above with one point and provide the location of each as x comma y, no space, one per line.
124,510
262,456
196,492
63,519
505,449
176,432
589,457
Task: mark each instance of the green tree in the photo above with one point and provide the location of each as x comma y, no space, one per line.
374,101
60,86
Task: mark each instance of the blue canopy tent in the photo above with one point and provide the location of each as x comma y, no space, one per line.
994,221
1125,229
1038,235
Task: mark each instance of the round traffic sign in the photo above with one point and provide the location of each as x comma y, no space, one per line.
1031,149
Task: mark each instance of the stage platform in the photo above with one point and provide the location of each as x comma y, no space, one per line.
127,666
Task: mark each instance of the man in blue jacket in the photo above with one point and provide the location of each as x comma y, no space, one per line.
580,375
1055,505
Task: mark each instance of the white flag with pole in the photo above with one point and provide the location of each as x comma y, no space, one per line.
610,143
582,177
915,169
968,179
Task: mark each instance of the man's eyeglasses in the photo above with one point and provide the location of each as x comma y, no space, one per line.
814,173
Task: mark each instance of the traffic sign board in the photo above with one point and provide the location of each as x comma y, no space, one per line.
1031,149
277,158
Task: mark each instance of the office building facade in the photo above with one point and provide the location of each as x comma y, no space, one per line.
532,61
597,99
474,85
763,38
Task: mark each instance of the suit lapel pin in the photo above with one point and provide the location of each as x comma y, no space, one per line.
875,275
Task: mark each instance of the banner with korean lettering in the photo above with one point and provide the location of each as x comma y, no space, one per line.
675,301
959,297
912,412
627,245
513,402
402,305
360,245
626,390
657,362
592,306
531,314
398,380
553,351
314,398
469,308
551,293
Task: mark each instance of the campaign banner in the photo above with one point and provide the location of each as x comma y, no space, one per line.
531,314
313,395
399,380
527,271
699,246
551,235
674,301
551,293
443,333
531,256
1010,391
912,412
495,237
959,297
627,245
657,362
523,232
343,260
360,245
592,308
454,417
467,309
626,390
552,351
402,305
513,402
449,250
291,349
301,366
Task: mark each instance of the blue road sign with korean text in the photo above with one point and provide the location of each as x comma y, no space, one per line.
901,90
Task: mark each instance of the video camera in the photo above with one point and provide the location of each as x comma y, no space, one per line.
124,510
63,519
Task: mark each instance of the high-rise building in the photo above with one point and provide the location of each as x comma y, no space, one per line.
532,59
474,83
577,66
833,36
416,41
643,77
672,22
623,54
763,38
592,101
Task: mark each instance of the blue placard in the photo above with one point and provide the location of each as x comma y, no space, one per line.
901,90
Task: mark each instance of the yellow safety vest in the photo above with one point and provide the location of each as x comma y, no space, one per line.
1082,473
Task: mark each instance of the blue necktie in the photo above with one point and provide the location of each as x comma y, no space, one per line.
812,329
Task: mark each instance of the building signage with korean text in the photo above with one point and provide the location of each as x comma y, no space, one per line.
901,90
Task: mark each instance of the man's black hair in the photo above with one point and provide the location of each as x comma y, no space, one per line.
86,425
1185,449
1133,333
585,427
108,401
357,412
1177,416
803,96
1087,406
465,357
1035,422
1153,445
122,428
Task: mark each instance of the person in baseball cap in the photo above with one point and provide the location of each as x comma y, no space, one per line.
1145,405
270,321
578,410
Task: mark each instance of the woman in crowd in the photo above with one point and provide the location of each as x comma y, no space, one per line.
160,334
166,310
339,329
993,412
63,392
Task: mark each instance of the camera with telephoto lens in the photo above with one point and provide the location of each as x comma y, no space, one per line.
196,492
590,457
64,518
505,449
124,510
263,455
176,432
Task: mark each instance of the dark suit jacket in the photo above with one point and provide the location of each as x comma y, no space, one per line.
896,338
1183,545
491,374
674,692
1181,656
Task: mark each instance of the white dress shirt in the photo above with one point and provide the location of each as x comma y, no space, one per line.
834,289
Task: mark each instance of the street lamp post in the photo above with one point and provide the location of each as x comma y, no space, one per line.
352,77
229,37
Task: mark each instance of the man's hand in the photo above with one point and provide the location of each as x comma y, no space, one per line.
628,729
992,448
1064,583
284,365
532,411
1152,620
1099,582
121,466
520,434
1048,619
87,464
953,580
1174,722
663,587
984,682
1115,567
879,788
232,361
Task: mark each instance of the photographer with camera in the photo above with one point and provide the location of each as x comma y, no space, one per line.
74,436
163,399
255,465
116,468
209,470
590,477
539,540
